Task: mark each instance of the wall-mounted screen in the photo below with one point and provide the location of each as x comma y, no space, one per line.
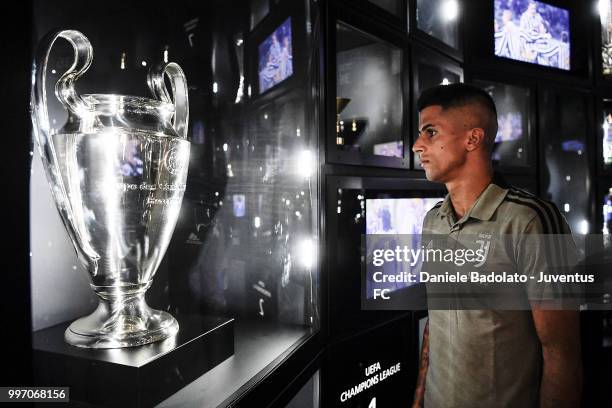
532,31
276,57
397,215
390,149
239,205
362,212
392,217
605,16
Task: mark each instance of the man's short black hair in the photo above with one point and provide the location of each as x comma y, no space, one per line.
459,95
455,95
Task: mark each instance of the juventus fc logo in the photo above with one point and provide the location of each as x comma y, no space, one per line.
484,245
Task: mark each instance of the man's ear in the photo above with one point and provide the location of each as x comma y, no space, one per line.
476,139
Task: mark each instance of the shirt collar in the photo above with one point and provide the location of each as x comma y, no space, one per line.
483,208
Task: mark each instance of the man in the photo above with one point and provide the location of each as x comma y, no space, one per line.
509,40
489,358
540,46
531,21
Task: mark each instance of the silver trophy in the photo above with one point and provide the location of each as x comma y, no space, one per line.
117,171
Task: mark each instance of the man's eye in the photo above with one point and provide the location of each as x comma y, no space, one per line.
431,132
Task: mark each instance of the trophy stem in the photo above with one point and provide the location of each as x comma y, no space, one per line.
122,319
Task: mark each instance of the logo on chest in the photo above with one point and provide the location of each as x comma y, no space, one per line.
484,244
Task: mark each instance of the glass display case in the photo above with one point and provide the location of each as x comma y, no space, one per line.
513,151
369,100
259,9
439,19
356,207
309,396
565,177
245,246
429,69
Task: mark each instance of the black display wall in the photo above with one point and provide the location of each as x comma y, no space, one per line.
553,107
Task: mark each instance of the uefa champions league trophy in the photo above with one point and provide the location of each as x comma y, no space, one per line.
117,171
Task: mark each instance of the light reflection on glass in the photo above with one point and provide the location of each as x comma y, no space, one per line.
584,227
305,163
439,19
307,253
450,10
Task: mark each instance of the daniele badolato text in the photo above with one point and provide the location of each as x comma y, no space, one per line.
460,259
479,277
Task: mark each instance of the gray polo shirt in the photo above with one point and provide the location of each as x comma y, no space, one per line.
489,358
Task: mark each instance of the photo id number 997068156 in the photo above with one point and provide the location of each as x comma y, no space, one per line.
34,394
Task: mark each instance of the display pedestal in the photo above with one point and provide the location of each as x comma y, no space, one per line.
135,376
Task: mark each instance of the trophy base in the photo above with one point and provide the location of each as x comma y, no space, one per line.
132,376
129,323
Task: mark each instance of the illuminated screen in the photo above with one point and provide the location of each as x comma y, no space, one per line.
389,149
510,127
239,205
396,216
607,139
605,15
276,57
532,31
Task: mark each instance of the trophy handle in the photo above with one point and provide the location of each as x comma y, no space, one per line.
64,88
178,82
43,133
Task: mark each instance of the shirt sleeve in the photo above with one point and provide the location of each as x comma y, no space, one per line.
547,255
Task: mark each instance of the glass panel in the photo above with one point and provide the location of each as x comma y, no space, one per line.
308,395
513,141
244,243
605,15
607,136
368,94
439,18
563,129
360,211
392,6
429,75
259,9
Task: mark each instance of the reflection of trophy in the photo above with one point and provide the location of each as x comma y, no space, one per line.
117,171
340,105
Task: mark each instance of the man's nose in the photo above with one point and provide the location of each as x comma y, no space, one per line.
418,147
